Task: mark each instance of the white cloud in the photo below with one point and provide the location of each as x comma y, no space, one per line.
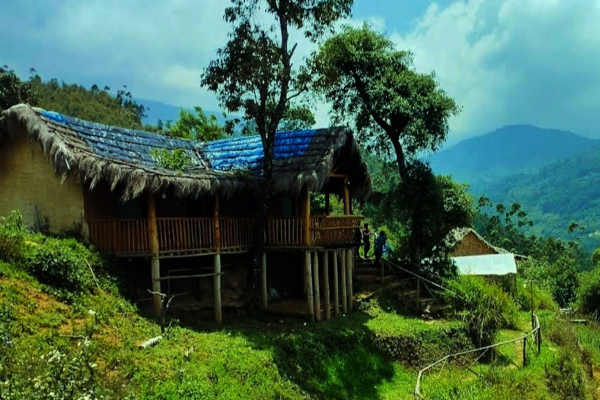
513,61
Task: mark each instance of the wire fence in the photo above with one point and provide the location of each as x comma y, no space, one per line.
536,340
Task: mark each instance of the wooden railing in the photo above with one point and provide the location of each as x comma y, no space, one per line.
120,236
285,231
184,235
335,230
236,233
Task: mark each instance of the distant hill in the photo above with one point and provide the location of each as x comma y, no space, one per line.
555,195
156,110
507,151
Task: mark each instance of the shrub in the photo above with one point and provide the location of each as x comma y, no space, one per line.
484,307
542,297
566,378
589,292
12,237
63,264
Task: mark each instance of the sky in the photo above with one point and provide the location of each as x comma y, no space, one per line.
504,61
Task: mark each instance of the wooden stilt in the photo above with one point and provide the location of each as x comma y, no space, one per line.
264,280
346,197
326,285
316,285
217,266
336,284
154,251
349,263
217,288
308,280
306,231
344,284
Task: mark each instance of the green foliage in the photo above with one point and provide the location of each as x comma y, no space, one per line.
176,160
197,126
12,237
484,307
542,297
14,91
589,292
560,277
421,213
63,264
565,378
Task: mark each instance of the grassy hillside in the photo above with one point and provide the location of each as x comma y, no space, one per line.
506,151
66,332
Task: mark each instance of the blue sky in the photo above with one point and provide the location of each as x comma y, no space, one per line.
504,61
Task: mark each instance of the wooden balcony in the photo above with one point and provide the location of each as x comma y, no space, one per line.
190,236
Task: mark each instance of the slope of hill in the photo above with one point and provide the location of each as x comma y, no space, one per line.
156,110
507,151
555,195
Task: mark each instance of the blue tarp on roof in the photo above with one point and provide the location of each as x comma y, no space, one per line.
231,154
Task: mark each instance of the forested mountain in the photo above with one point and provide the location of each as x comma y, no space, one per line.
507,151
555,195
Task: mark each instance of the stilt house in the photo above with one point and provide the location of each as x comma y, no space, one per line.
192,228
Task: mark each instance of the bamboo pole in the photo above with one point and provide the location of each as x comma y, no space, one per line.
308,283
326,284
316,285
154,252
336,283
264,280
344,287
349,279
217,265
346,197
306,215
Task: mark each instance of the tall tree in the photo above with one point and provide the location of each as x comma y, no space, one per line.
395,110
196,126
14,91
254,71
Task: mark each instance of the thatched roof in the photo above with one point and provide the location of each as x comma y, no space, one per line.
458,234
124,158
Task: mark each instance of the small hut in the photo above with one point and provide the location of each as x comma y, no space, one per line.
109,184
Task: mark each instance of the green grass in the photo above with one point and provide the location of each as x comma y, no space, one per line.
89,346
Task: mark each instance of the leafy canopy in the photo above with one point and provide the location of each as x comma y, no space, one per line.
196,126
254,71
370,82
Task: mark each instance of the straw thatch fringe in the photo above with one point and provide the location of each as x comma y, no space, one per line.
70,154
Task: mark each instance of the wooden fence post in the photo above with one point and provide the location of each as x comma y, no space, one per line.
539,340
336,284
326,284
316,285
525,351
154,254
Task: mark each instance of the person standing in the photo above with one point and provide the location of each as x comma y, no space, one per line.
380,242
366,235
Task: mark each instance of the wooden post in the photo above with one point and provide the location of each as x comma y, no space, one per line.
525,351
316,285
346,197
326,284
336,284
349,263
264,280
418,293
308,280
344,287
539,340
306,215
327,204
217,265
154,252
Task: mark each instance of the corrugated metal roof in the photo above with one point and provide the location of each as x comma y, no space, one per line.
489,264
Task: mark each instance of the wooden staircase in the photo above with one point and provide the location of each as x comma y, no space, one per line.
408,287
